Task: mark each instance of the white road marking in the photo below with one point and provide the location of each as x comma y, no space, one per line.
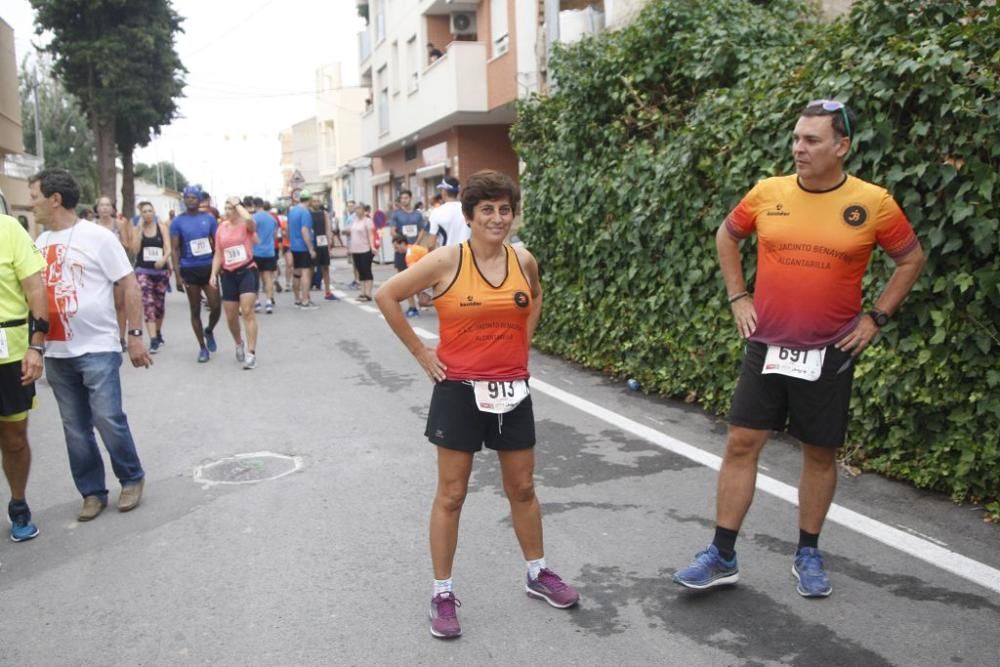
369,309
918,547
340,295
939,556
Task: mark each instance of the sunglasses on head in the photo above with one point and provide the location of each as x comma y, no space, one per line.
831,106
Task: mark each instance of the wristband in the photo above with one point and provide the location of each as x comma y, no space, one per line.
736,297
135,332
40,349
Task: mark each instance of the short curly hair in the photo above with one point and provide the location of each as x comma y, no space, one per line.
489,184
51,181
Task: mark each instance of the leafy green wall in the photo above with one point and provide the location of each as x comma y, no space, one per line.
656,131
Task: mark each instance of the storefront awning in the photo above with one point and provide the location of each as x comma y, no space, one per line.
381,179
432,170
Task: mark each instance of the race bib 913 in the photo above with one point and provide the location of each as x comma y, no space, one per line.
499,396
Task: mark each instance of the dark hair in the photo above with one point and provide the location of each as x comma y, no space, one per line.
205,196
266,205
404,191
489,184
51,181
248,201
437,199
146,203
258,202
814,109
398,238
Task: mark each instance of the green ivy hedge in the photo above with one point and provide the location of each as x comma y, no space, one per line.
654,133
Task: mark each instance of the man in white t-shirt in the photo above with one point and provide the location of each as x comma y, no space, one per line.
447,225
83,351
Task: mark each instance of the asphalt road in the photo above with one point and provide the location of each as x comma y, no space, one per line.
328,564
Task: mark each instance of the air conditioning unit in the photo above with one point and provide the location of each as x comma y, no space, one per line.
463,23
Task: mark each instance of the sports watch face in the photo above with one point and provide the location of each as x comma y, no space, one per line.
880,318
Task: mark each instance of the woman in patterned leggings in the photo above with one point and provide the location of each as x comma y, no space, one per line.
151,247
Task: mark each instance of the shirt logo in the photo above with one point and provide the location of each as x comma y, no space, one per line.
855,215
521,299
778,210
469,301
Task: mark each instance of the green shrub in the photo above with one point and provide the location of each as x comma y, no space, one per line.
656,131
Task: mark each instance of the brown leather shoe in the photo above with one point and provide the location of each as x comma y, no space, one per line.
130,496
92,506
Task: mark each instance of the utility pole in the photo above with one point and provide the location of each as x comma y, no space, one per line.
39,139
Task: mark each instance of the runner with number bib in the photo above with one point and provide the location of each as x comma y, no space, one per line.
488,299
192,234
151,248
234,271
804,326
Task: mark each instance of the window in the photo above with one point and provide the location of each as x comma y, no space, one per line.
499,38
413,63
396,72
383,100
379,20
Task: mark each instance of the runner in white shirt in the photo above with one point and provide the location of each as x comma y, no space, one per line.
447,225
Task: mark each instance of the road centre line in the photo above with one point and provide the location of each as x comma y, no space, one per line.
923,549
946,559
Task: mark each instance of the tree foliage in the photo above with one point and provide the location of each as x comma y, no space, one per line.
118,58
66,134
657,130
163,173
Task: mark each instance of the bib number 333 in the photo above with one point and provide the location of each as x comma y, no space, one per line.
498,396
801,364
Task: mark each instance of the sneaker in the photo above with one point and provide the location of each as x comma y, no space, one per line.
309,305
210,341
154,345
269,308
21,528
808,569
92,506
708,569
354,285
256,307
130,496
203,355
241,353
250,362
412,312
330,296
159,337
551,588
278,288
444,616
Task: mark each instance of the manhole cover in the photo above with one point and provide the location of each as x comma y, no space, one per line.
247,468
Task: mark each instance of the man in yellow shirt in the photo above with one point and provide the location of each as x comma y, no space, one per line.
21,288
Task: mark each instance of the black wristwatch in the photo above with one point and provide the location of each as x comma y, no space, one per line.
135,332
881,319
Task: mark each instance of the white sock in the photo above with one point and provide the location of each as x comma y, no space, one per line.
442,586
535,566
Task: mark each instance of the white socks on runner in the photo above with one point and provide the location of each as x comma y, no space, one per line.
534,567
442,586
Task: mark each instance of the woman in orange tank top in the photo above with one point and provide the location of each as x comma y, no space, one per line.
489,299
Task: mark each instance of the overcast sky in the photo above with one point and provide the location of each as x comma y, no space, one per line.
251,73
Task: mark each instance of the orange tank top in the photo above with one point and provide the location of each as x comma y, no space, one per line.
484,328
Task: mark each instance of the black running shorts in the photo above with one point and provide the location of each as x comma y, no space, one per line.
322,256
266,263
455,422
14,398
302,260
239,282
196,275
814,412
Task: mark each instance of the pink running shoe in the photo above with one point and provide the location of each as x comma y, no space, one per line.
444,616
551,588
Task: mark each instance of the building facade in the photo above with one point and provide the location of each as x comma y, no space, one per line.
444,76
15,166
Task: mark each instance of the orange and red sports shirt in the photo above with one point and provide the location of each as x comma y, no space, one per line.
812,252
484,327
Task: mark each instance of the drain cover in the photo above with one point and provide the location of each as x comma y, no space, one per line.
247,468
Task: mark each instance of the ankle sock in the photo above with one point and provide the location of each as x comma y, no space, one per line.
535,566
725,542
808,539
442,586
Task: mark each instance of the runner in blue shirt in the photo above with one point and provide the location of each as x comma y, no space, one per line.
263,252
193,237
300,236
